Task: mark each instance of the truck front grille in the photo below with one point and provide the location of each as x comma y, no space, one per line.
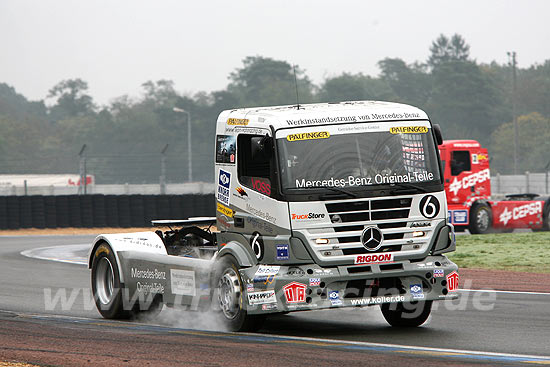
369,211
349,218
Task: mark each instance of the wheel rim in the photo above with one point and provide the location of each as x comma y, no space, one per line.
483,220
105,280
229,293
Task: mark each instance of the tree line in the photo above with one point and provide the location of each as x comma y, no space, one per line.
124,139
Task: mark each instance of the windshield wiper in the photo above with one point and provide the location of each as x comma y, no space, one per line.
333,188
407,188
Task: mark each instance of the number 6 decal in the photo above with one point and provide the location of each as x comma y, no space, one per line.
257,244
429,206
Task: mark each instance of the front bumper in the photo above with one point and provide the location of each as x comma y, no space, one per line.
270,289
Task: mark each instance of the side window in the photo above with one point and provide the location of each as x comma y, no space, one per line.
460,162
254,171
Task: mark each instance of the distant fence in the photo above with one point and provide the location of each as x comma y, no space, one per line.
118,189
537,183
88,211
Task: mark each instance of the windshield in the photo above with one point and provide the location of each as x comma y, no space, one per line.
358,155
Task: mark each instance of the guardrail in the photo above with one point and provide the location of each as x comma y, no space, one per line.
89,211
124,189
538,183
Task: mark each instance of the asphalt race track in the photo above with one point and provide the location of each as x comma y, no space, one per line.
478,328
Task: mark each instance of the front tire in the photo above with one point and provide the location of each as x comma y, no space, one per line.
106,286
481,218
406,314
229,294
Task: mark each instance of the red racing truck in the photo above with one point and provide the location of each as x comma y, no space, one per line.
467,180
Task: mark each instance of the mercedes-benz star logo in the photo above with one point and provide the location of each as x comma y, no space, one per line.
372,238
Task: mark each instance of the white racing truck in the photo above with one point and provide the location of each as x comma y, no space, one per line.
318,206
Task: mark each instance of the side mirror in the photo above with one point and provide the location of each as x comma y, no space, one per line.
261,147
438,135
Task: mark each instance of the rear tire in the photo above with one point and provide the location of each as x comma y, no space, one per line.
546,217
228,293
106,287
406,314
481,218
545,220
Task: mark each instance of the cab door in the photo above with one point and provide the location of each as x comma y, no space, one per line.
460,168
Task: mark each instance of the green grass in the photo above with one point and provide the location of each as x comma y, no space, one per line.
528,252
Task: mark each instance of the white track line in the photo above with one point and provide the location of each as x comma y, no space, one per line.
64,254
398,346
511,292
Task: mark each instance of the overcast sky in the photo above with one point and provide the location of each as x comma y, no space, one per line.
117,45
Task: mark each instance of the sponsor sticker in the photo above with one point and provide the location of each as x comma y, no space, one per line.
308,216
377,300
334,298
224,210
262,185
264,270
520,212
182,282
269,306
452,281
260,298
308,136
374,259
469,180
478,158
439,273
265,279
249,287
224,182
295,272
282,252
314,282
149,288
259,213
416,291
408,130
260,225
323,271
225,148
147,274
242,193
295,292
460,217
505,216
354,181
237,122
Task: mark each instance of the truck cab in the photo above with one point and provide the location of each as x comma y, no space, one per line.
339,204
466,170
